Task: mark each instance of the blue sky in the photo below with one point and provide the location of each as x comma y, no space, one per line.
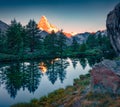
69,15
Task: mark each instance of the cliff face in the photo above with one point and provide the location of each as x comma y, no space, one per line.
113,28
106,74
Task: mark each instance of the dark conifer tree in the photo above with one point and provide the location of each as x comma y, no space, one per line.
61,43
50,44
14,37
75,45
32,32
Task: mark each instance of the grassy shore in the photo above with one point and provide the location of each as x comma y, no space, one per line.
37,55
61,96
79,93
29,56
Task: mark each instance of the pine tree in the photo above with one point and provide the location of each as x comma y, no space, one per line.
32,31
61,43
50,44
14,37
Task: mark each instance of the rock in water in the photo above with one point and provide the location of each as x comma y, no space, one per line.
113,28
106,77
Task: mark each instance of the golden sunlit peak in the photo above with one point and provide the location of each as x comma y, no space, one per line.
44,16
44,19
46,26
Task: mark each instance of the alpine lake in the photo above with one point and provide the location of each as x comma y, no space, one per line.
21,81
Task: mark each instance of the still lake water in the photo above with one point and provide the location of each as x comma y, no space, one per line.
23,81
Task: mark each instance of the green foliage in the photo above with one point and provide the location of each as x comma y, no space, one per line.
56,95
54,44
83,47
61,43
75,45
32,31
21,41
100,45
50,44
25,43
14,37
91,41
34,101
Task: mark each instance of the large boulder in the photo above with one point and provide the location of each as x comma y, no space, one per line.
106,77
113,28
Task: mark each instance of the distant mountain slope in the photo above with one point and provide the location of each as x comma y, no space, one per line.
3,26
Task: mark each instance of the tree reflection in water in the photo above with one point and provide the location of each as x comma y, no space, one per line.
57,70
74,62
27,75
83,62
19,75
13,79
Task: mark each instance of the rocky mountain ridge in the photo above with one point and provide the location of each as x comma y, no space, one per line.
3,26
46,28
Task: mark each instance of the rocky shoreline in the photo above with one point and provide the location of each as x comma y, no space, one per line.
106,77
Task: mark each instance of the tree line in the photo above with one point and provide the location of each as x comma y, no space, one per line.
25,41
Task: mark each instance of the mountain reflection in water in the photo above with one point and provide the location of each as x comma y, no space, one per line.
42,67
